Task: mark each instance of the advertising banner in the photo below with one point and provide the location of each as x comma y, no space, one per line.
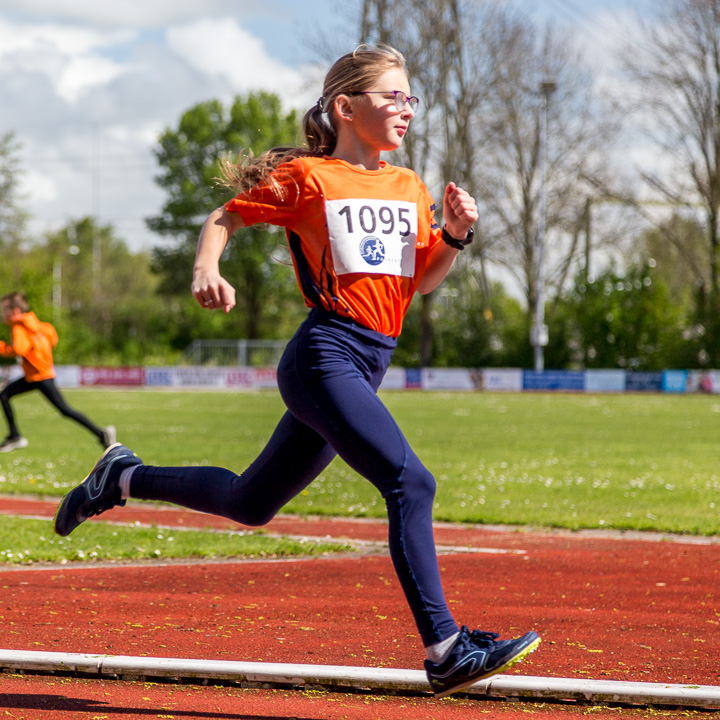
394,379
413,379
265,377
194,376
643,381
502,379
112,376
240,377
67,376
448,379
703,381
569,380
604,381
674,381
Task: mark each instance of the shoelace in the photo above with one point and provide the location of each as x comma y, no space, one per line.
482,639
107,505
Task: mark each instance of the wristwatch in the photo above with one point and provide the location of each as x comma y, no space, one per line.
454,242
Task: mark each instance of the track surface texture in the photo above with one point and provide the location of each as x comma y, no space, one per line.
623,607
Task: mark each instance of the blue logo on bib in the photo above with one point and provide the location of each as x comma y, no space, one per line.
372,250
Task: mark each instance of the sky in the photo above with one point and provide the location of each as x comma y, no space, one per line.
87,86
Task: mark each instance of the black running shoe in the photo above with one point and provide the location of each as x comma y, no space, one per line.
475,656
98,492
13,443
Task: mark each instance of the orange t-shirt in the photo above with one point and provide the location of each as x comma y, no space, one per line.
33,341
359,239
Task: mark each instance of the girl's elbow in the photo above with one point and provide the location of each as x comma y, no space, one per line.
231,220
426,287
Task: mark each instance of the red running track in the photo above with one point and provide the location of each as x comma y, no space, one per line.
609,607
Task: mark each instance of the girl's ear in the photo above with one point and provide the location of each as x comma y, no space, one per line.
343,107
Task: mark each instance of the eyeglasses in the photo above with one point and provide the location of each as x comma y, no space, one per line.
399,96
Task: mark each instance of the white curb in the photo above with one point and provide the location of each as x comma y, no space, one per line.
340,676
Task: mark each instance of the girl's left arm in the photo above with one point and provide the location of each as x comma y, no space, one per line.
460,214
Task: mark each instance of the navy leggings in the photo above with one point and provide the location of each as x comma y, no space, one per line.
328,378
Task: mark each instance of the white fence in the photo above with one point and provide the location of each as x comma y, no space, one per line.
243,353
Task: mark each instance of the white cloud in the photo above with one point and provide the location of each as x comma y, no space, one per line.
39,185
65,39
71,58
82,73
128,13
222,49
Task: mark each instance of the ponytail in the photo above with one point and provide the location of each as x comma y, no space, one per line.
319,133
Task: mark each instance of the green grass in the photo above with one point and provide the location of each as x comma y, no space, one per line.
644,462
26,541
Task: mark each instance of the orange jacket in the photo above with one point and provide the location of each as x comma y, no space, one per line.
33,341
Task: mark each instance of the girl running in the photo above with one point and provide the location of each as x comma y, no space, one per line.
33,342
364,240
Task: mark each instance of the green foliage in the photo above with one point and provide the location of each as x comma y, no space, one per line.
471,328
703,335
623,320
26,541
101,297
526,459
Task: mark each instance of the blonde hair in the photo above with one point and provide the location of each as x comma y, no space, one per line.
352,73
15,300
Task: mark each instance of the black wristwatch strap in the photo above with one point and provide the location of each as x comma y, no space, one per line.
454,242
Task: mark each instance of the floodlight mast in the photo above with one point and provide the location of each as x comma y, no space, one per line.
539,330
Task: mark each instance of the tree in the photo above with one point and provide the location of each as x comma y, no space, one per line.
623,319
189,157
675,267
527,63
478,68
675,65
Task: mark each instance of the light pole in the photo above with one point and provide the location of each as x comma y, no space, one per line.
72,249
539,331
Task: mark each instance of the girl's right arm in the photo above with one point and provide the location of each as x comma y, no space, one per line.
209,288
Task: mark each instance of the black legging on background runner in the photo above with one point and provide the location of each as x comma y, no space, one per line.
49,389
328,378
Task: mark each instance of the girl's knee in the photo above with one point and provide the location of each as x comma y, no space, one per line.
253,517
416,485
425,485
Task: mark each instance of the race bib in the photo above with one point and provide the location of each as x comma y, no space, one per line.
372,236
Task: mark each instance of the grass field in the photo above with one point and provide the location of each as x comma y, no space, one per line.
643,462
26,540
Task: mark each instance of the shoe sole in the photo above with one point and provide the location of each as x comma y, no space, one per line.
62,504
532,647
